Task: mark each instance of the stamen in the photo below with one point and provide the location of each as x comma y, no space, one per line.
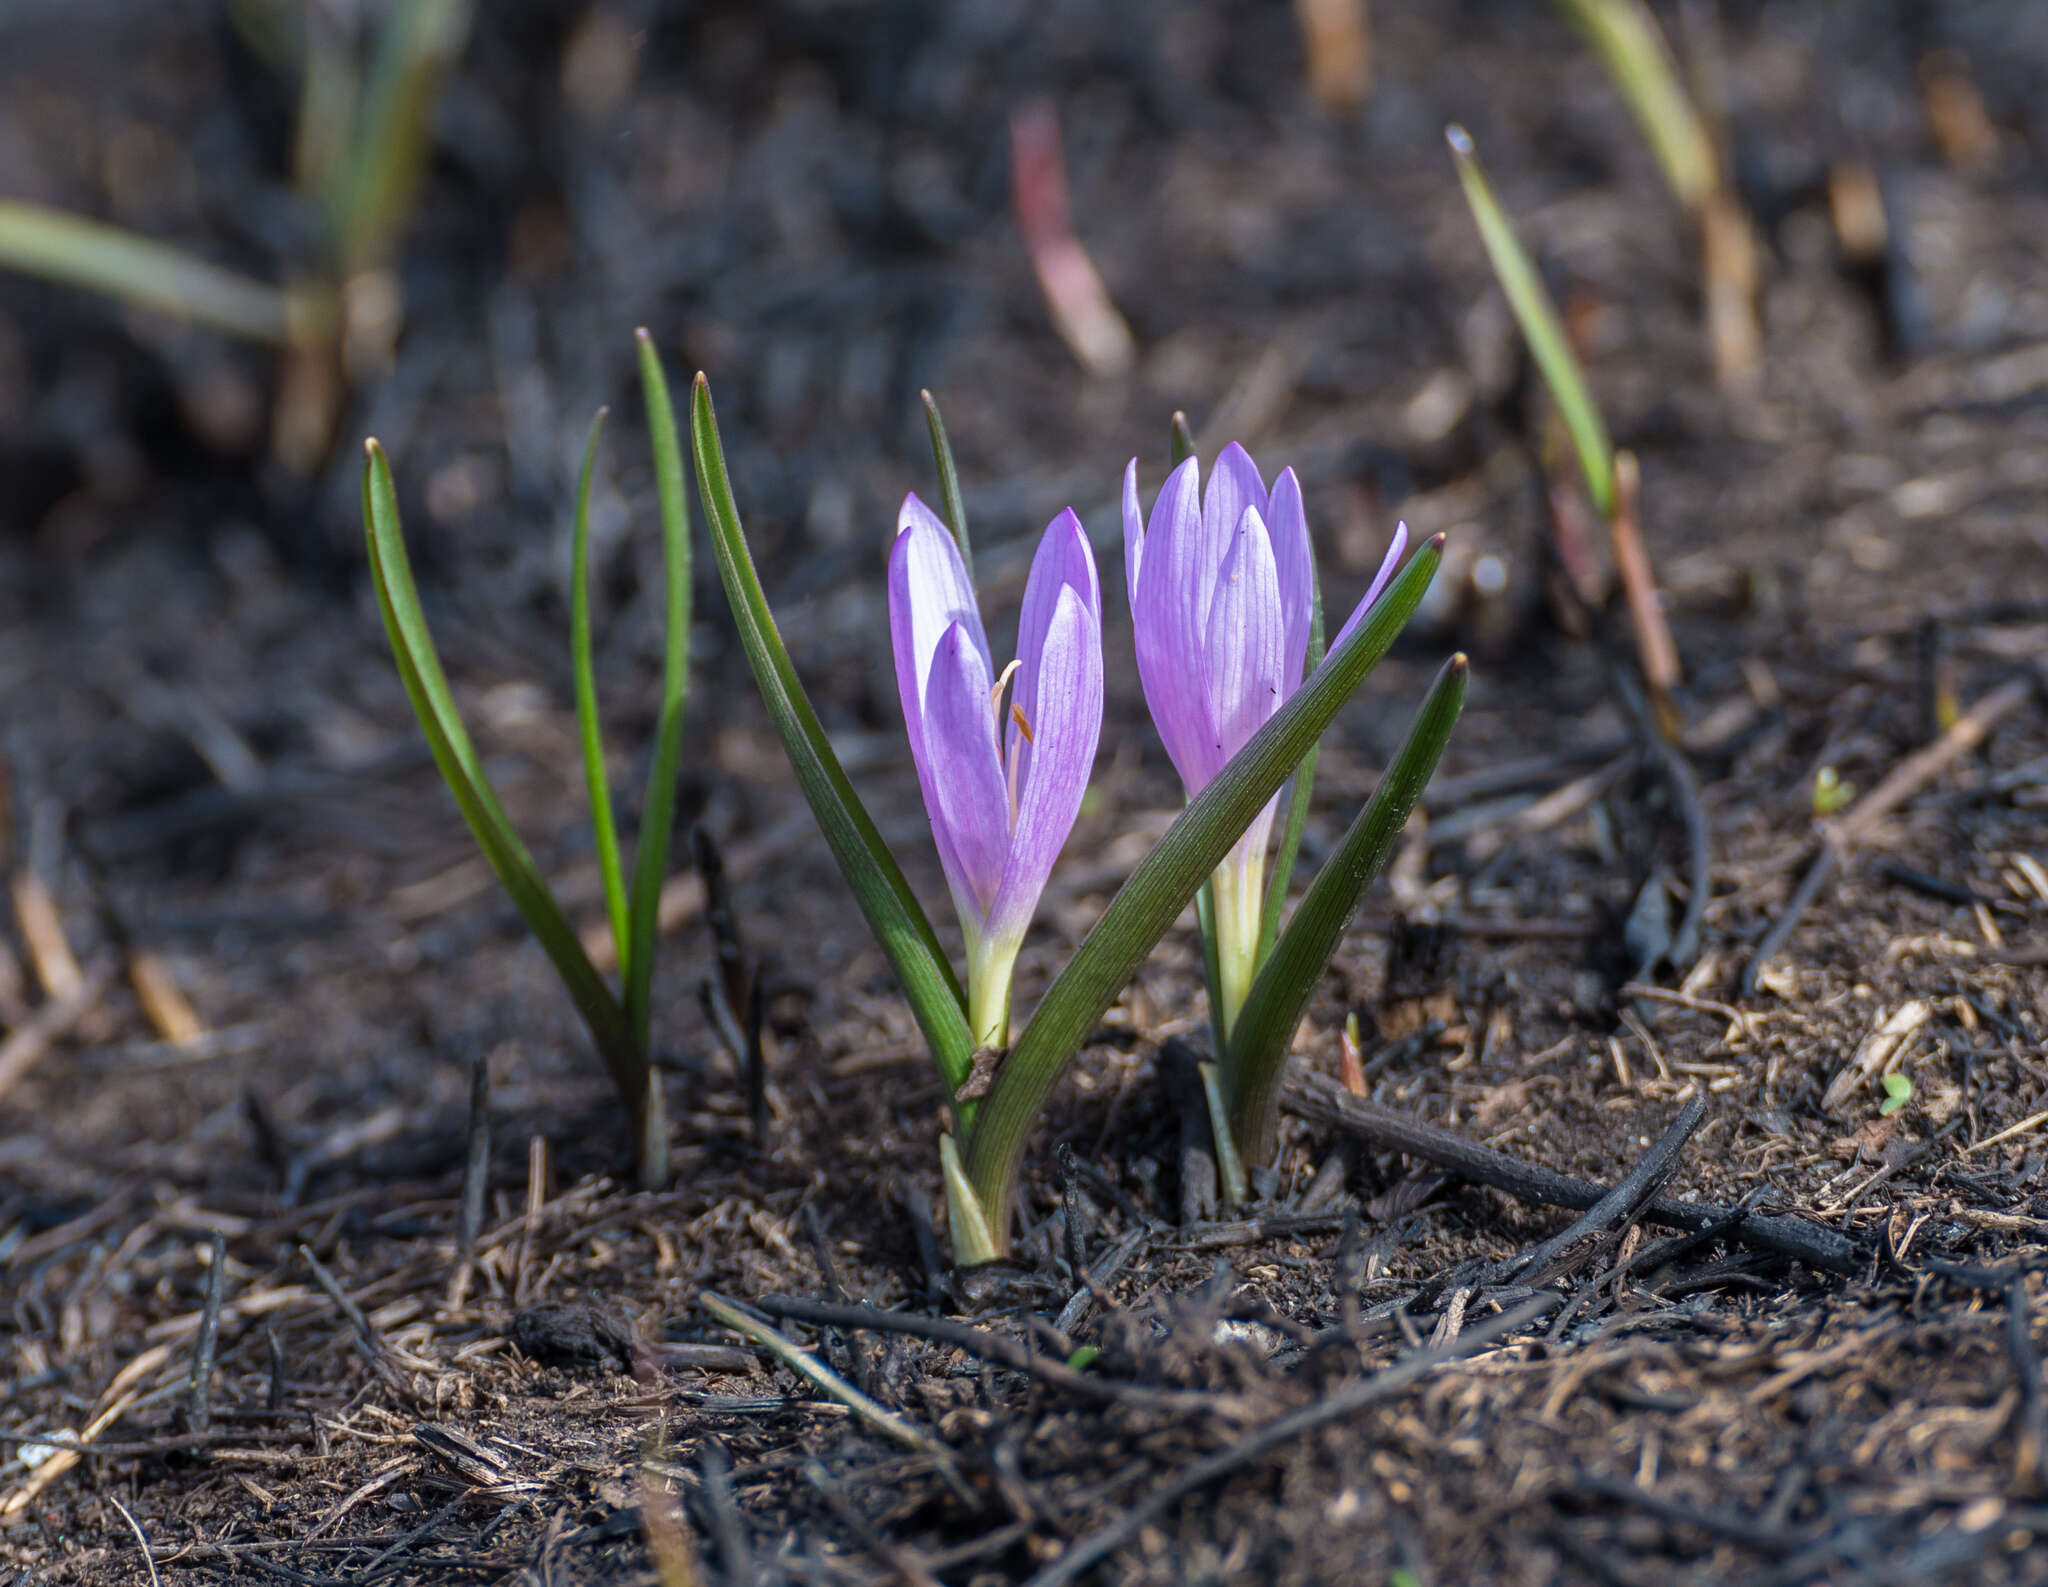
995,700
995,707
1024,727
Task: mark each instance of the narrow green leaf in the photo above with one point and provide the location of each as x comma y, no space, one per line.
419,668
1537,316
950,500
1160,888
373,196
1299,789
658,806
62,247
1625,35
1280,996
892,911
603,824
1183,439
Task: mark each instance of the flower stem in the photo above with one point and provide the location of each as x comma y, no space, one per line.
990,967
1239,904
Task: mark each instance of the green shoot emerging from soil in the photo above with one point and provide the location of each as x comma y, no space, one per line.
998,1098
619,1022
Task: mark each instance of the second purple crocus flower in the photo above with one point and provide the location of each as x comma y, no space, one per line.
1002,783
1222,588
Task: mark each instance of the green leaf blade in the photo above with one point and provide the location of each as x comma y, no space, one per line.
658,807
590,734
951,501
426,684
1541,328
1160,888
891,909
1280,996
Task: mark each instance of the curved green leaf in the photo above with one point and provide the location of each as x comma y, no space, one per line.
950,499
419,668
1537,316
658,807
603,823
1280,996
891,909
1160,888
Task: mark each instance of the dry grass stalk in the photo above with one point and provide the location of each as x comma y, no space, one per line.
169,1011
1336,37
42,928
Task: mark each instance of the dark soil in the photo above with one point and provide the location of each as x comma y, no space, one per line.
210,760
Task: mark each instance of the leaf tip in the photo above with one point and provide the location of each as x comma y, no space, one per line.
643,336
1436,541
1460,141
372,448
1458,665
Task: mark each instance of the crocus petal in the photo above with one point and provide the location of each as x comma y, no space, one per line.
1067,685
1064,560
967,803
1134,533
1167,621
1234,485
929,591
1287,524
1388,564
1246,642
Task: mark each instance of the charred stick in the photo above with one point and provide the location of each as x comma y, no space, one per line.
728,1528
1808,890
275,1348
1197,1144
1323,1101
370,1343
1747,1530
1939,887
722,922
1684,785
476,1176
2030,1443
757,1063
209,1332
1625,1202
1074,1208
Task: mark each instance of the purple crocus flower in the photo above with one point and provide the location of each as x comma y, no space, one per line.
1002,785
1222,588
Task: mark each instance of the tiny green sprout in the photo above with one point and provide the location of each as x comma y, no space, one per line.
1830,793
1402,1576
1084,1358
1898,1091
